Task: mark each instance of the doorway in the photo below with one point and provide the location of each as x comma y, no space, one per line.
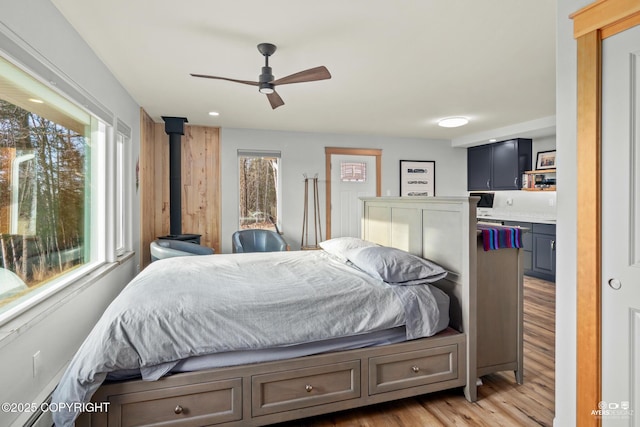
351,173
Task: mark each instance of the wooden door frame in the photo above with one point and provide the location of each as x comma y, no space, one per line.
328,152
591,25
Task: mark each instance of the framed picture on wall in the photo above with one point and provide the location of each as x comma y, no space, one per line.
546,160
417,178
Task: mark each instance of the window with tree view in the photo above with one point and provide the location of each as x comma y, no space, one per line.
259,189
45,166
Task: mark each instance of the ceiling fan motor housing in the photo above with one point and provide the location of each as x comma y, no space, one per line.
265,79
266,76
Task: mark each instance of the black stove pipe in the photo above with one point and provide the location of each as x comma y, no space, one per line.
174,127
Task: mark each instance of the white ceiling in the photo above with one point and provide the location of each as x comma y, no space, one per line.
397,66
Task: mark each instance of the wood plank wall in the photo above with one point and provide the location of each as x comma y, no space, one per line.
200,184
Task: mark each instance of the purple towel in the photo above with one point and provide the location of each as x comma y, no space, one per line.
498,237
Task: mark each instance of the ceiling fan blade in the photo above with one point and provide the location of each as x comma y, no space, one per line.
275,100
310,75
246,82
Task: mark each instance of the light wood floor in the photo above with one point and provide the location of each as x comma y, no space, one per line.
501,402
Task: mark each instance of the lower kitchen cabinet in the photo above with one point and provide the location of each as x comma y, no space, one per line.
539,249
544,251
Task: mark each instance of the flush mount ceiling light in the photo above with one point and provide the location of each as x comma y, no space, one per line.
453,122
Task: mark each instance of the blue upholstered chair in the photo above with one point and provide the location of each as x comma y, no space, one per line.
258,240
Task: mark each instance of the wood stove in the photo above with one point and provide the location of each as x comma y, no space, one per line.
174,127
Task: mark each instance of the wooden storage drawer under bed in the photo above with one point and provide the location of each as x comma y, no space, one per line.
411,369
207,403
300,388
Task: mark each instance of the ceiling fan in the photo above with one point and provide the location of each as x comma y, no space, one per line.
266,83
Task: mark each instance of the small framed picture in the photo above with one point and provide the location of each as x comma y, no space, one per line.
417,178
546,160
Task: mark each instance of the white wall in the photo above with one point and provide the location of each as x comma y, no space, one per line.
43,36
566,234
304,153
546,143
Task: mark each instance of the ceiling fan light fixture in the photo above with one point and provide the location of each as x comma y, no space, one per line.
266,81
266,88
453,122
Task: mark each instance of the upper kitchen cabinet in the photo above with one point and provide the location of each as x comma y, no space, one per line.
498,166
479,168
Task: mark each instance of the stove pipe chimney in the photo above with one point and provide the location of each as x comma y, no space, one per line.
174,127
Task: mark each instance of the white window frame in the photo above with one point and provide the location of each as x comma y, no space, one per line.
123,193
263,153
101,134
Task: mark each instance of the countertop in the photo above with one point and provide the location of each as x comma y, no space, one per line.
497,215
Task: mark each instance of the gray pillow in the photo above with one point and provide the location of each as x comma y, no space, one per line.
395,266
339,246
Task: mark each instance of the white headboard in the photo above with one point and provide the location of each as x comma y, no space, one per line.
443,230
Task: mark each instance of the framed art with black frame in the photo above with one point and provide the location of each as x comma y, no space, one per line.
417,178
546,160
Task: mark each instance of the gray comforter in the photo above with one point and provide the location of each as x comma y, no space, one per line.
182,307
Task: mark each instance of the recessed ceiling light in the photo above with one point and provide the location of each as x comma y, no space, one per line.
453,122
37,101
493,140
214,113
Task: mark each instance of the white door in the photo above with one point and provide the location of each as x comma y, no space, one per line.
621,230
351,177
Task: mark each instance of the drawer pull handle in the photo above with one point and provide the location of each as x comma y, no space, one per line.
415,369
309,388
178,409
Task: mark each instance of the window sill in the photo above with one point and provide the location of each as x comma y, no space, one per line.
13,327
122,258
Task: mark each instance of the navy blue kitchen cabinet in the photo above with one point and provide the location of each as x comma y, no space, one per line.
498,166
539,249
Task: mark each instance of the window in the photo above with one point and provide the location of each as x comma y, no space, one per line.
119,194
123,138
51,190
353,171
259,191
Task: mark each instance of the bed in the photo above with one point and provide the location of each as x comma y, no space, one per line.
396,353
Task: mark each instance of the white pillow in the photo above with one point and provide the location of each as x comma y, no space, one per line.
339,246
395,266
